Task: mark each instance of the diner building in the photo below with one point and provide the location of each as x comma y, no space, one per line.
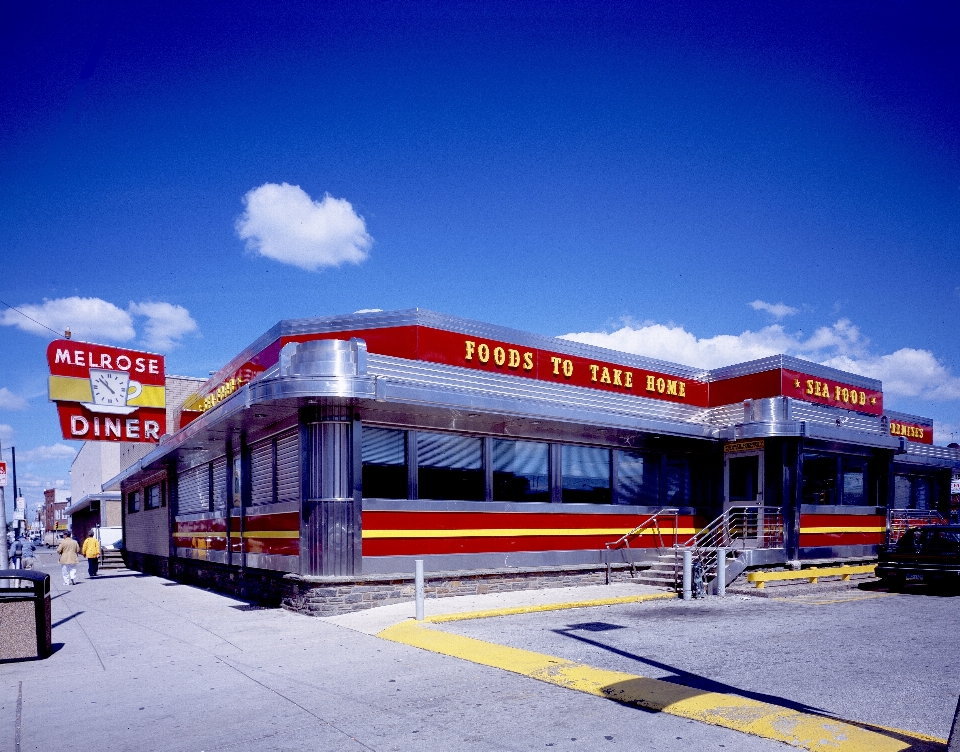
334,452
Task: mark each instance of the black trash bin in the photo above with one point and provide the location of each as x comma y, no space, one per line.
24,614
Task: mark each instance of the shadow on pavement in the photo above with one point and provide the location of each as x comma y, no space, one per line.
691,684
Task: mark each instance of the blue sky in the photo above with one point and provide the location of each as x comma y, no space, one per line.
706,184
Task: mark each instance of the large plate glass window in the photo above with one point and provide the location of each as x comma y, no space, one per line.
677,483
854,481
450,467
638,478
819,479
586,474
521,471
384,457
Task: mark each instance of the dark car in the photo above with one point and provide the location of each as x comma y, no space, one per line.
925,554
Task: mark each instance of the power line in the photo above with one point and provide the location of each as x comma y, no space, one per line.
59,334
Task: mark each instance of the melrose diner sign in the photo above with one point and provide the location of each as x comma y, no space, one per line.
107,393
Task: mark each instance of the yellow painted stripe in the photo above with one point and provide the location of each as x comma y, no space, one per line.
842,530
761,719
69,389
496,532
548,607
150,396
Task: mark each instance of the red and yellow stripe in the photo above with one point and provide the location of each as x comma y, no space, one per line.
413,533
842,530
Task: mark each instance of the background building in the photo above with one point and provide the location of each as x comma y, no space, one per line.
55,503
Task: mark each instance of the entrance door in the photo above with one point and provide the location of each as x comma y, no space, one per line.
743,479
743,486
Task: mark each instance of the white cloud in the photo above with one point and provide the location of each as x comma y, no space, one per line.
11,401
777,310
47,453
87,318
369,310
282,222
166,324
94,319
6,433
908,372
676,344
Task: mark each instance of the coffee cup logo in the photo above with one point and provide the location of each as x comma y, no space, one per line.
112,391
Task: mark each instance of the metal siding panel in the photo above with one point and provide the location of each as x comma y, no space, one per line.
193,490
261,473
220,484
288,466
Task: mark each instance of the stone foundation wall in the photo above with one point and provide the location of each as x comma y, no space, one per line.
329,596
339,595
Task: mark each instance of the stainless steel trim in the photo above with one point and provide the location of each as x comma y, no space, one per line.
536,507
281,508
837,552
833,509
793,364
274,562
217,557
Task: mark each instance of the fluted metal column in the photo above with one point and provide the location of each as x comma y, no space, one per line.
330,536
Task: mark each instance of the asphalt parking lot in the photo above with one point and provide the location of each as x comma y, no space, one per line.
144,663
863,655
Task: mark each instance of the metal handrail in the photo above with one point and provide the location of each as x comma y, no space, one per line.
899,520
653,520
737,527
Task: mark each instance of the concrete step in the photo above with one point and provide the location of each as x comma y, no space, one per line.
111,559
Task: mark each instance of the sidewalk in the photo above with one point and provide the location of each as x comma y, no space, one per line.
148,664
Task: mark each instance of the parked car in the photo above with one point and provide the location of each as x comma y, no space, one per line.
928,554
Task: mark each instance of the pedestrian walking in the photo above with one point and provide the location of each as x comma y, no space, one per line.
91,549
68,549
16,554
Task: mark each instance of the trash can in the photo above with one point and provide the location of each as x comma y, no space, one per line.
24,614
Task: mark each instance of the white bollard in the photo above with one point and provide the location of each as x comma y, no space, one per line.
418,588
721,589
687,567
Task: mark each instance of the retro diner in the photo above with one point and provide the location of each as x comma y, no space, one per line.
342,449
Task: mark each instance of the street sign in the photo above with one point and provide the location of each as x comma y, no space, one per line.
3,474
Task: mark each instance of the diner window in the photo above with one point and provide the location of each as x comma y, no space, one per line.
133,501
902,492
586,474
521,471
638,478
854,481
450,467
152,496
819,479
677,486
384,456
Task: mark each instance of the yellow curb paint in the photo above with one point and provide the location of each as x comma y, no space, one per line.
761,719
548,607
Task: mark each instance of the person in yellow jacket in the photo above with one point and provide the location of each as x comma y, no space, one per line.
91,549
68,558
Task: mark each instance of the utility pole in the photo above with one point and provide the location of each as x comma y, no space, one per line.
16,490
4,561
